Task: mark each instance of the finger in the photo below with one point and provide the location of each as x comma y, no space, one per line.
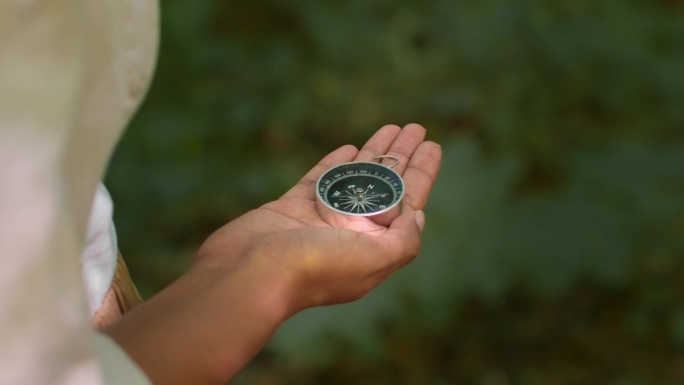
404,146
379,143
421,173
306,187
420,219
403,238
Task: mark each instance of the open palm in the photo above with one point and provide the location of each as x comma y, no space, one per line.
296,234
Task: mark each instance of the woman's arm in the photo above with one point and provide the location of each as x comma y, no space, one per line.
255,272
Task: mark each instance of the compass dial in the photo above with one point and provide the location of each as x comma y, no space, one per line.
360,188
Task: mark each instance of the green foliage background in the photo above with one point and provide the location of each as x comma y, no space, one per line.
555,238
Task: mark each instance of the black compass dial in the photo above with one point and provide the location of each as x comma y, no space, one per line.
360,188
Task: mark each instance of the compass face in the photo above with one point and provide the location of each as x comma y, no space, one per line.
360,188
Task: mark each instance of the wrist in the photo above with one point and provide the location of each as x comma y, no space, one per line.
262,270
255,276
206,326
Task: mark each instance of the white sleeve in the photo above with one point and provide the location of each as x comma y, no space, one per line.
99,257
117,368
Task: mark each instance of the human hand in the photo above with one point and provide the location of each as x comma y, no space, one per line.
321,259
272,262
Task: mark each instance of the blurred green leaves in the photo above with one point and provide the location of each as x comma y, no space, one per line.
563,132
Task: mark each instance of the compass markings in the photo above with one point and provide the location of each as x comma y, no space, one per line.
360,190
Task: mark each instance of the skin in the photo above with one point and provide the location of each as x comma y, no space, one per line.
267,265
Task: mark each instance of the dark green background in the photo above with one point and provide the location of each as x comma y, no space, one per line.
555,240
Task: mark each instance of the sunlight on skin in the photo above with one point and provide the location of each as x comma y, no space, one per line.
372,225
311,261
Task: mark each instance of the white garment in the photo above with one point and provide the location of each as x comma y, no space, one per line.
72,72
98,260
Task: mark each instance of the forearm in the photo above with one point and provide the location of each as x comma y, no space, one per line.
205,327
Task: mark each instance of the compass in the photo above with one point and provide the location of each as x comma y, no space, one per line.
361,188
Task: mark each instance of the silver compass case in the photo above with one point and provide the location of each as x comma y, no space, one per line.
361,189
